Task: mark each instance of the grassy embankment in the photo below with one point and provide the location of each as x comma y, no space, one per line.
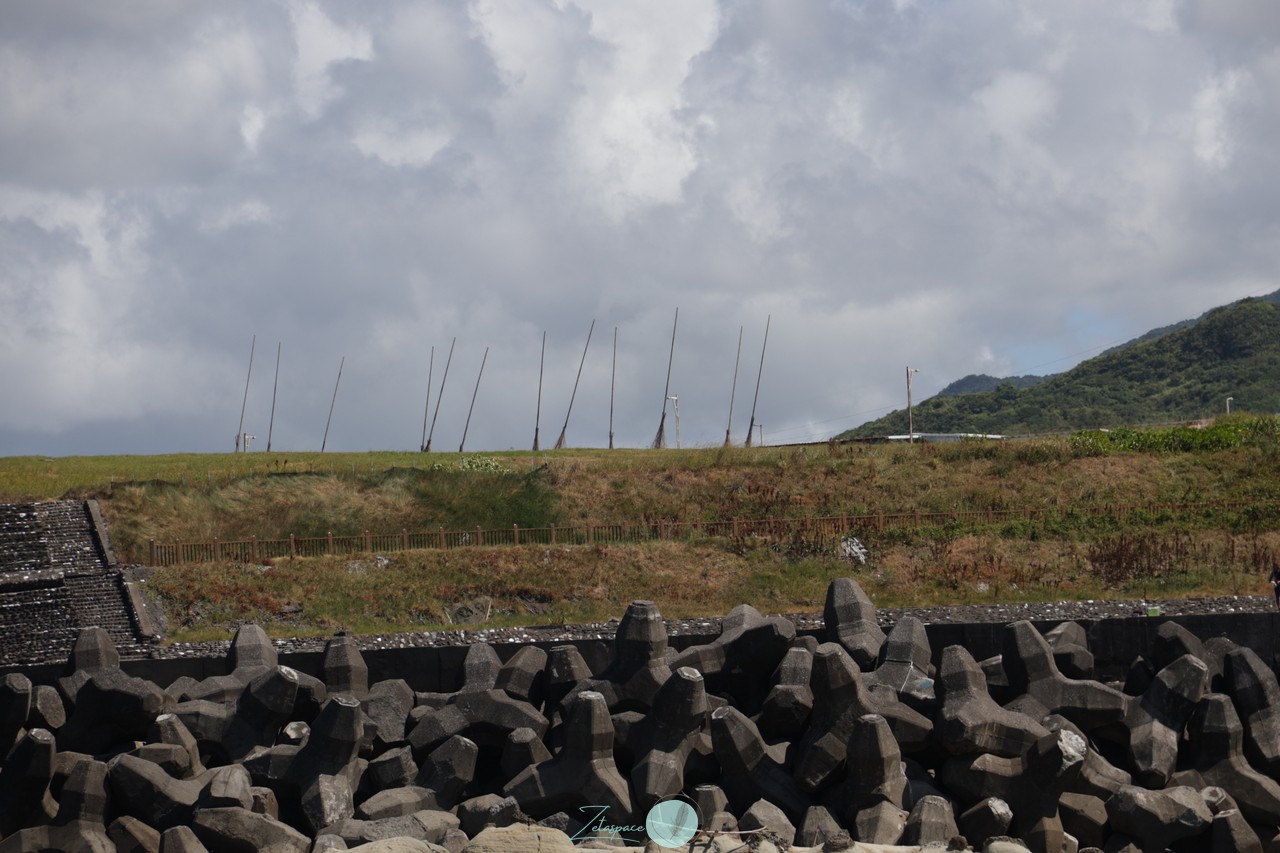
1069,554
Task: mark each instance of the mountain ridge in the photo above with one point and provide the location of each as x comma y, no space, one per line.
1181,372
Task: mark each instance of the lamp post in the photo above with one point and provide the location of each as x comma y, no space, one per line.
675,403
1229,399
911,430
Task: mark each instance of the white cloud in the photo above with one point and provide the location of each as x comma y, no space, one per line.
252,122
627,133
320,43
1213,102
412,148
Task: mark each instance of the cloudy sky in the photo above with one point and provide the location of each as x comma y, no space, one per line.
962,187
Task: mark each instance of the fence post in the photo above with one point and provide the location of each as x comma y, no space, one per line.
917,516
515,534
404,539
553,534
880,521
441,538
253,546
590,534
152,544
368,545
479,536
293,547
217,550
329,541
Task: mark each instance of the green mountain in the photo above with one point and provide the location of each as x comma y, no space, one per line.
976,383
1180,375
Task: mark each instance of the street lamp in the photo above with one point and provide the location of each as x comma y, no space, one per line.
911,430
675,402
1229,399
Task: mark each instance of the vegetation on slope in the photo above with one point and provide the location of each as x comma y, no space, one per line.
1210,524
1184,375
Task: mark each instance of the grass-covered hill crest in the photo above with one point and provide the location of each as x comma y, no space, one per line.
1185,375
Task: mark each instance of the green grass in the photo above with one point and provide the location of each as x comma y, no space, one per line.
1073,551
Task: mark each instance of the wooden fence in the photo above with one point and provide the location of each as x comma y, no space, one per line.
257,550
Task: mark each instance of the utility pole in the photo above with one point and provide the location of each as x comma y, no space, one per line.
443,380
537,415
463,443
1229,399
613,380
337,382
751,427
911,429
733,390
245,401
274,386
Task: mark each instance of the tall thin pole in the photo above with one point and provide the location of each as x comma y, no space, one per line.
733,389
752,426
537,418
613,379
473,400
426,409
274,386
245,401
443,380
564,429
325,440
659,441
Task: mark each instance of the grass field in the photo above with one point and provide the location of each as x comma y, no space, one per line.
1066,554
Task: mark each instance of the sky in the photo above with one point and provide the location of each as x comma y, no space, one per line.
958,187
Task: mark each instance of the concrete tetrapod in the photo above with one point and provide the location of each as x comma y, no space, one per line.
1253,687
1156,819
786,707
905,665
250,654
1215,745
1031,784
749,772
1155,723
25,777
344,668
145,791
639,665
665,739
874,792
850,620
969,721
748,645
230,731
439,783
1028,663
314,782
110,709
840,698
79,824
582,773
